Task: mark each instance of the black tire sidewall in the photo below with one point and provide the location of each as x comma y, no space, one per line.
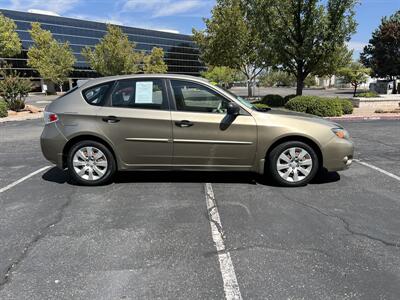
276,152
110,160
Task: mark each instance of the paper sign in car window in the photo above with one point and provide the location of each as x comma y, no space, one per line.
144,92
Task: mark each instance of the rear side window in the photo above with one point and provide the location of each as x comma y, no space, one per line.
137,93
96,95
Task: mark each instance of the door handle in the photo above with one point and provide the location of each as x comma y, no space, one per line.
111,119
184,123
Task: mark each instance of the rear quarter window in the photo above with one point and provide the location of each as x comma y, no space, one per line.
96,95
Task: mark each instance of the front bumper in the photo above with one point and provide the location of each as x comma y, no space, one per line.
52,143
338,154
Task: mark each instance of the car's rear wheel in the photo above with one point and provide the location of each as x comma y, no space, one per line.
91,163
293,163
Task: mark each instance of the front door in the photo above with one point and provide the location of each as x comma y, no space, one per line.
137,120
204,135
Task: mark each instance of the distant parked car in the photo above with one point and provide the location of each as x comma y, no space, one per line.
176,122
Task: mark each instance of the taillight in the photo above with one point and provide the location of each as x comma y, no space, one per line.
50,117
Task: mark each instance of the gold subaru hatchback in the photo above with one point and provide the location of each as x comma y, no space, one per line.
176,122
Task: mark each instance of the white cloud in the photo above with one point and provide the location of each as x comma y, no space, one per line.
52,6
95,19
356,46
43,12
123,22
163,8
166,30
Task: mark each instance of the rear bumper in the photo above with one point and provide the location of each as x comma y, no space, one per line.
52,143
338,154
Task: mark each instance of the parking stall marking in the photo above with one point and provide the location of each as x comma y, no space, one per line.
231,286
6,188
378,169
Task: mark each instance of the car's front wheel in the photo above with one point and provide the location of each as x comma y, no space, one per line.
91,163
293,163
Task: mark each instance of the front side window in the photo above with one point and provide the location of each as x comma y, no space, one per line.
145,94
194,97
96,95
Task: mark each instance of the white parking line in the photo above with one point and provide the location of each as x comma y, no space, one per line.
231,286
22,179
378,169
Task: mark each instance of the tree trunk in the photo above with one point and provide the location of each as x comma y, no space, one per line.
395,86
61,88
355,89
249,88
300,86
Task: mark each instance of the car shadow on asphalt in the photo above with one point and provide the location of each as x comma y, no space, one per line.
61,177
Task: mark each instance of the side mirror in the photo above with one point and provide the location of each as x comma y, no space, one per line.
233,109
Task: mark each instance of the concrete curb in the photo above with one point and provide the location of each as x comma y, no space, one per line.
31,116
363,118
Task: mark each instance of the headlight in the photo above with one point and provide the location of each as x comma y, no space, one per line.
341,133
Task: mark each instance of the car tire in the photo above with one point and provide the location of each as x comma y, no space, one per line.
293,163
90,163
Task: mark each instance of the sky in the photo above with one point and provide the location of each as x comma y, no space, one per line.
182,15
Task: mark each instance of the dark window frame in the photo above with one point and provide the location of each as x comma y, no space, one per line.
106,96
165,106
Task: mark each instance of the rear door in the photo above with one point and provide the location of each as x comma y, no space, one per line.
137,120
204,135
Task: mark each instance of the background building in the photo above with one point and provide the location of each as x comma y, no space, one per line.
181,53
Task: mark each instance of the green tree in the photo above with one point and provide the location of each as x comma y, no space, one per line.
231,40
154,62
114,54
14,89
355,74
304,34
223,76
277,77
382,54
339,59
10,44
53,60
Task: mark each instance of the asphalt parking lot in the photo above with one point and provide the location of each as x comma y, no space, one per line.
149,235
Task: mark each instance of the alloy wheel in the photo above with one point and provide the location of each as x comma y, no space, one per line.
90,163
294,164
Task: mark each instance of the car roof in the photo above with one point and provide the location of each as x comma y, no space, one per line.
100,80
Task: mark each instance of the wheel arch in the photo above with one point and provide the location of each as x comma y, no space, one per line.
85,137
297,138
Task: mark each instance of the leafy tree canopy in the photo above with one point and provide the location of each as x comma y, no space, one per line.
355,74
10,44
114,54
223,76
154,62
231,39
53,60
305,35
382,54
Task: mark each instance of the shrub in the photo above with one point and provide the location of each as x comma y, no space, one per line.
300,103
273,100
14,90
3,109
288,97
261,106
370,94
323,107
347,106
